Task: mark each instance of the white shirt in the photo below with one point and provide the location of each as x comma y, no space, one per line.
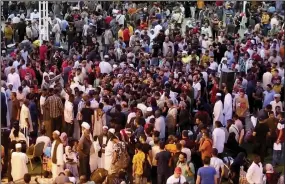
24,114
130,116
15,80
105,67
154,150
42,102
187,151
34,15
44,139
16,20
254,173
275,104
159,125
266,79
120,19
68,112
213,66
157,28
172,180
219,137
197,88
217,164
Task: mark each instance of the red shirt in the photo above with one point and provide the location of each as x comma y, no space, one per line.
219,3
43,52
26,71
126,34
108,19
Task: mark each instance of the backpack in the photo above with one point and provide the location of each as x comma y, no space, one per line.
124,158
146,167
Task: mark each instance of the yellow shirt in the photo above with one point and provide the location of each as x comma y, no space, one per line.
138,161
171,148
277,88
120,33
204,59
265,18
200,4
8,32
186,59
131,30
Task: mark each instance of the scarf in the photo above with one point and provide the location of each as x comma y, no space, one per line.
54,159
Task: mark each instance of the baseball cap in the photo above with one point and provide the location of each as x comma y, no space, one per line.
178,170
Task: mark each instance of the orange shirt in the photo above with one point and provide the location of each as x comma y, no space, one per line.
206,148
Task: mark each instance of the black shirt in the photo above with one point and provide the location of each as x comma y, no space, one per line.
163,158
261,132
87,115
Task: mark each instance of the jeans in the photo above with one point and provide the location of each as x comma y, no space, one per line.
162,178
278,156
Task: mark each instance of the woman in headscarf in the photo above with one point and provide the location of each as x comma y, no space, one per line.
70,161
64,139
235,168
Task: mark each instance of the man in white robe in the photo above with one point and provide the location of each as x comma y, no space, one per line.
218,110
56,155
14,79
100,145
228,105
109,152
19,162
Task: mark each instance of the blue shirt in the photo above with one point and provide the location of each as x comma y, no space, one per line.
207,175
268,97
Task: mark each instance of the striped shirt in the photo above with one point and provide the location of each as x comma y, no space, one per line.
55,106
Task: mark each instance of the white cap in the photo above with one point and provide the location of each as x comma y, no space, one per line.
9,84
106,56
277,95
105,127
56,132
131,65
85,125
19,145
112,130
35,10
51,73
224,59
115,66
149,109
218,94
184,52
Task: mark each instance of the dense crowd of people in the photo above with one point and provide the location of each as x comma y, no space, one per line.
142,92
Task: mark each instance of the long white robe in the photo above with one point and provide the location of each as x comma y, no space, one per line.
218,112
58,167
228,107
19,162
108,155
101,161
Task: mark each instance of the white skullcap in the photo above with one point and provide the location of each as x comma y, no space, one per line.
149,109
35,10
115,66
277,95
85,125
184,52
224,59
51,73
131,65
105,127
218,94
56,132
19,145
106,56
112,130
9,84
